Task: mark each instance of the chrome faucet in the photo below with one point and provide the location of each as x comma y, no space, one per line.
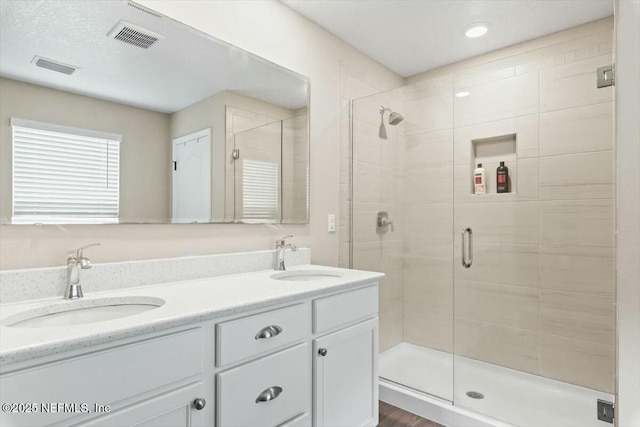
76,259
281,247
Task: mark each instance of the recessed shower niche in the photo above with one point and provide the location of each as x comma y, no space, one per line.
490,152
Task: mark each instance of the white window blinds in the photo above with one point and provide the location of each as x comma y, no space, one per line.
64,175
260,188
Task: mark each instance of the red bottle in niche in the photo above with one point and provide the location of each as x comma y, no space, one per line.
502,178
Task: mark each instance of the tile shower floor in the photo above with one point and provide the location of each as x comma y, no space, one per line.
523,399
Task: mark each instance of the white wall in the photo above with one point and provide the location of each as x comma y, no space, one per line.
628,245
273,31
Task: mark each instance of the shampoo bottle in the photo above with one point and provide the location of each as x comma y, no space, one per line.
502,178
479,180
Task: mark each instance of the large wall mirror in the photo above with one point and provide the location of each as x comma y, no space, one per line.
113,113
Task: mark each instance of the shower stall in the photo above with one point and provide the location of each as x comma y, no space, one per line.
500,305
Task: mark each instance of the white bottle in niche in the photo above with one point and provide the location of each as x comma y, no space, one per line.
480,180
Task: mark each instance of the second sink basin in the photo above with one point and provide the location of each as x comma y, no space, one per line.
306,275
73,313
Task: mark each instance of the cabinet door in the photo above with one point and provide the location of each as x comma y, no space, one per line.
346,377
171,409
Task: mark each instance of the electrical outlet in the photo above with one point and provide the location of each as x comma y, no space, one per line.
331,223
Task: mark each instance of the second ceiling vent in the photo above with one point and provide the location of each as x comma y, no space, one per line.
134,35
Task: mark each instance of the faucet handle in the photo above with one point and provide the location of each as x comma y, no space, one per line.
281,241
78,252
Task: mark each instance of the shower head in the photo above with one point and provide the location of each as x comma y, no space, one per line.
395,118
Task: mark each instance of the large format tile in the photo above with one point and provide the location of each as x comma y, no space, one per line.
433,185
390,329
429,150
577,130
525,128
509,347
578,269
509,222
429,258
573,85
428,221
429,113
577,176
497,100
578,316
582,223
500,263
432,293
512,306
433,329
584,363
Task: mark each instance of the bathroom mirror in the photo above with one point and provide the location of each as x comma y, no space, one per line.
113,113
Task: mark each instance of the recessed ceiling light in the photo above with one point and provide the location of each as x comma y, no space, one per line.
477,30
462,94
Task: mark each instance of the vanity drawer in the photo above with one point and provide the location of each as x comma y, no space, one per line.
344,308
286,373
104,377
249,336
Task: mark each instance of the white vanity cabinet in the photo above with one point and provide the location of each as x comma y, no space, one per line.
345,379
261,368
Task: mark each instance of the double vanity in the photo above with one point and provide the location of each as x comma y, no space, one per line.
257,348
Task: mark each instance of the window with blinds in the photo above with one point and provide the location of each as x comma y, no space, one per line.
260,188
64,175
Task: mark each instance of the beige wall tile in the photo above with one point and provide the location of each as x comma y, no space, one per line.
429,150
427,221
509,347
577,130
431,329
433,294
500,263
584,363
579,316
578,269
511,306
573,85
429,258
583,223
577,176
525,128
428,113
509,222
432,185
501,99
390,329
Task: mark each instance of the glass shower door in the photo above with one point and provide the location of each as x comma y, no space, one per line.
402,211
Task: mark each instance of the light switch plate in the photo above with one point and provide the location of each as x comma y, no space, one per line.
331,223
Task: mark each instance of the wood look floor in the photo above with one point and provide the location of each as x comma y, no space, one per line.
391,416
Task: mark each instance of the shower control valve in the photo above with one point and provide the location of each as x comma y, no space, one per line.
382,222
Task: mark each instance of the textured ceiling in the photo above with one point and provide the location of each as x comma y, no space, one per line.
412,36
184,67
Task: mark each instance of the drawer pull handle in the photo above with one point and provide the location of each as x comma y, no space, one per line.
199,403
322,352
268,332
269,394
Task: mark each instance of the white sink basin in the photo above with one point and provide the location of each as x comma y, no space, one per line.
78,312
306,275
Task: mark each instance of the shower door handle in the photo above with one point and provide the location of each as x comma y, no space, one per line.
467,255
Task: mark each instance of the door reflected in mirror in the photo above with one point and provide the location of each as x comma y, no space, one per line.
96,128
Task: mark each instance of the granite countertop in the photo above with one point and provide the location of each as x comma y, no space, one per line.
185,302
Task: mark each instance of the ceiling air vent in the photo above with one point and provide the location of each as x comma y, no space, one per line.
53,65
134,35
145,10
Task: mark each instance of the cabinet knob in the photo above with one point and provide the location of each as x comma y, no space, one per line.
199,403
322,352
